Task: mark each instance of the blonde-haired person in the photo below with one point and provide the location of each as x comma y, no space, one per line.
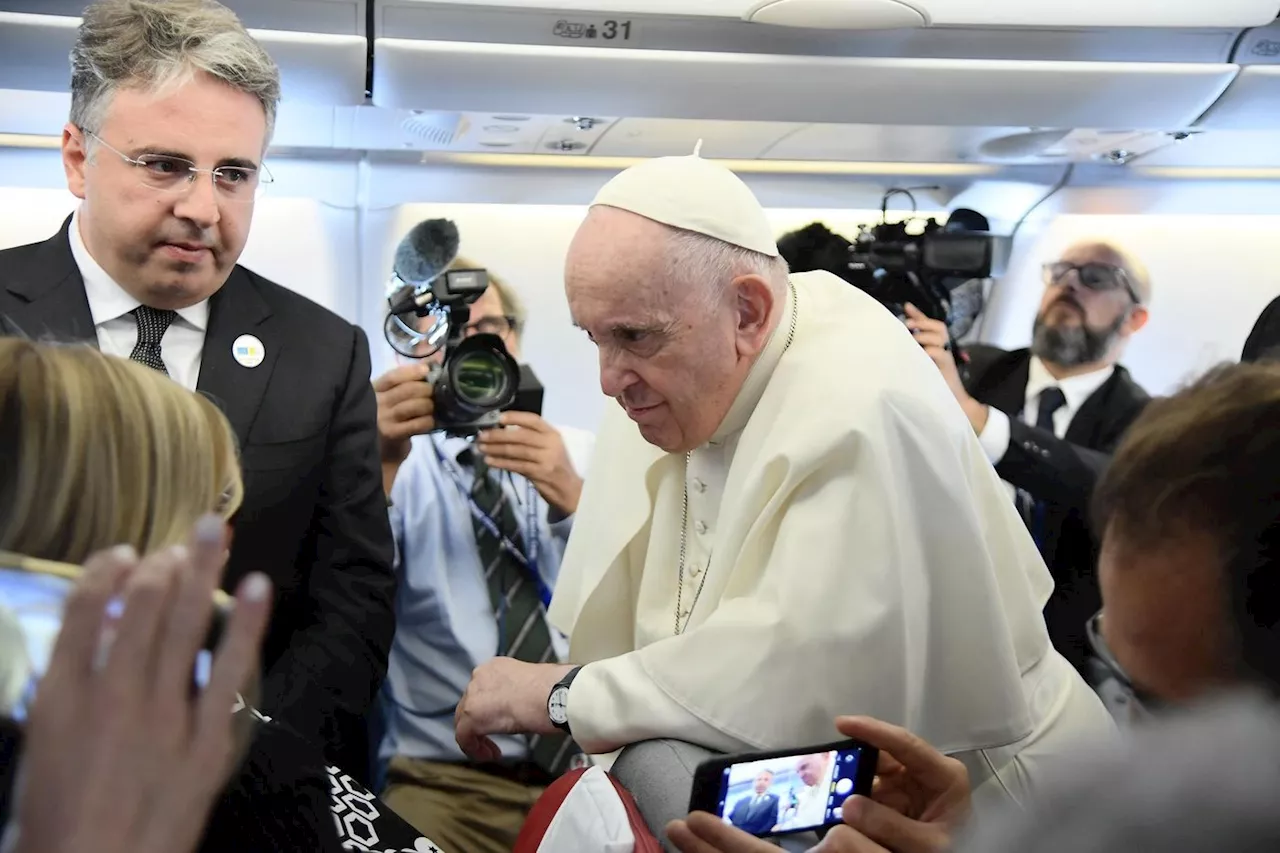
104,451
105,458
98,452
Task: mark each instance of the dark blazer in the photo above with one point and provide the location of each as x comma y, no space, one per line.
755,819
314,516
1063,472
1263,343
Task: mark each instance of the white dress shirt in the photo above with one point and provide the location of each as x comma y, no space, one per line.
1076,389
110,304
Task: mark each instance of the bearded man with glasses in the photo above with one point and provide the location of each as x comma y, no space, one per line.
1050,416
172,109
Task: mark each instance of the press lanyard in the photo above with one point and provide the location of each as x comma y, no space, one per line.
529,561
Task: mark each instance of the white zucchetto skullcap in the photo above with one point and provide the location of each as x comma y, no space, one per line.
694,194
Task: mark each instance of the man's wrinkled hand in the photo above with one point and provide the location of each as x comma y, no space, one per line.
933,337
505,696
529,446
405,409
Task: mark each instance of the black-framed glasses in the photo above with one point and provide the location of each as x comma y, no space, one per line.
166,173
1097,277
497,324
1093,632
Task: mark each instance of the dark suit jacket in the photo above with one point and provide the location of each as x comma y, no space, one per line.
754,819
1263,343
314,517
1063,472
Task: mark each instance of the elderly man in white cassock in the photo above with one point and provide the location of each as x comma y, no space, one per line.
790,517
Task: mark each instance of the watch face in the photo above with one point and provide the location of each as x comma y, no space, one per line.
558,706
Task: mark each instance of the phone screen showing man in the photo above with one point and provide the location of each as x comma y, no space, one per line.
792,793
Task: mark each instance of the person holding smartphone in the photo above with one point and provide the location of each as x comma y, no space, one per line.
100,451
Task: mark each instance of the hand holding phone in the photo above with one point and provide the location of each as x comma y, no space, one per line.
786,791
33,598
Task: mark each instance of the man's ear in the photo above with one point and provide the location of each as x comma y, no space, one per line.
754,301
75,158
1138,318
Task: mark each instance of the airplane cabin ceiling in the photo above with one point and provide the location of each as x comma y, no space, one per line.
468,78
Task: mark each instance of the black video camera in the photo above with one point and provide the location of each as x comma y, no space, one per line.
477,378
900,262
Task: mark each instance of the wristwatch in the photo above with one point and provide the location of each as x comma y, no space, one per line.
558,701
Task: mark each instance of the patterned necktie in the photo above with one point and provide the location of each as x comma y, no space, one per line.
152,325
1051,399
517,603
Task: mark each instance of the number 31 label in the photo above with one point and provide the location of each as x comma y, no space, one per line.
609,30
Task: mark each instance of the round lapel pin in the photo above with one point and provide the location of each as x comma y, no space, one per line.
248,351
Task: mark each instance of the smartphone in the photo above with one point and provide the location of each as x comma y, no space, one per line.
787,791
33,594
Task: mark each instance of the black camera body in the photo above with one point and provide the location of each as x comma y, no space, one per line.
937,268
478,378
897,267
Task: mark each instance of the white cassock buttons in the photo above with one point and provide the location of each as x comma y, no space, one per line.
699,486
701,527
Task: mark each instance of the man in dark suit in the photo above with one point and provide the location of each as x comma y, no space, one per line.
1050,416
757,813
172,111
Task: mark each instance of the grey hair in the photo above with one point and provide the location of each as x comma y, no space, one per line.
697,259
155,44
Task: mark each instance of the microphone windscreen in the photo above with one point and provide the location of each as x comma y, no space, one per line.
426,251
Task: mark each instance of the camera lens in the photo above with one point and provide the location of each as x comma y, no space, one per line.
480,378
482,374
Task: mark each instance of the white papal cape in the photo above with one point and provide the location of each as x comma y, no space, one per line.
866,560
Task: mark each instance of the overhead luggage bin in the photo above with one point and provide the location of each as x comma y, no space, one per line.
868,14
320,45
460,76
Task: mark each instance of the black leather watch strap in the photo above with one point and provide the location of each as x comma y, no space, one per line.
562,684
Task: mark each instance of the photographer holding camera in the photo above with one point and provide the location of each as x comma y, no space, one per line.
480,529
1050,416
